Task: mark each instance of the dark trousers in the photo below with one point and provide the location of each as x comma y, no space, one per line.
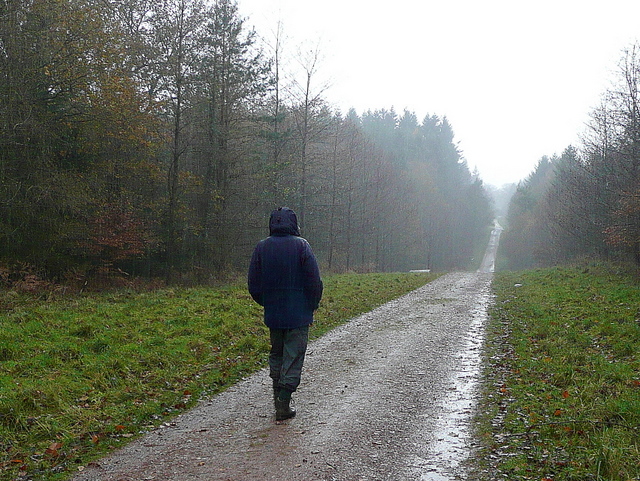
288,348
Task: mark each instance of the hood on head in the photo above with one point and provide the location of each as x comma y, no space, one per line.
283,221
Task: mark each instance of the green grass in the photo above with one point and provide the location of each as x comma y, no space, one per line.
562,377
81,376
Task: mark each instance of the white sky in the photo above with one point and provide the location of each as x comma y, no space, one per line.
516,79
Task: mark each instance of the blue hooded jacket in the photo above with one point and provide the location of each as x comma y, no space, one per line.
283,275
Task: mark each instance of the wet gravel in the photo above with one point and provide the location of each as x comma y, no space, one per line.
387,396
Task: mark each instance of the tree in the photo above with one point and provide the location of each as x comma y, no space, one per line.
277,133
74,127
135,134
234,81
309,107
520,241
624,229
177,28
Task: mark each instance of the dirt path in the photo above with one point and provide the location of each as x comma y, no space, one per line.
388,396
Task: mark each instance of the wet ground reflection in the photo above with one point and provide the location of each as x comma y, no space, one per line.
452,437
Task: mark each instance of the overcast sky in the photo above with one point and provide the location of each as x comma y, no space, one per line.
516,79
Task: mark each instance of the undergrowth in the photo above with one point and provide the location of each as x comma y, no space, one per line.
82,375
562,377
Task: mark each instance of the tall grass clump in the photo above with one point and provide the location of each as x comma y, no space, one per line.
80,376
563,376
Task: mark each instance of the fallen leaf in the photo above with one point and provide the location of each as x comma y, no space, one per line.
565,394
53,449
558,412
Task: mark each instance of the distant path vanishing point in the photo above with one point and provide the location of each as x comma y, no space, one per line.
387,396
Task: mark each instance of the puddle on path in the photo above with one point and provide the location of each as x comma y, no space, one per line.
452,436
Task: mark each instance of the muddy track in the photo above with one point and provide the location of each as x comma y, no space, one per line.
388,396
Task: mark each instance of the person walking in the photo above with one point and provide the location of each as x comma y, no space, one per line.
285,279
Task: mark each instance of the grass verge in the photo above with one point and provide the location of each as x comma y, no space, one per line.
82,376
562,377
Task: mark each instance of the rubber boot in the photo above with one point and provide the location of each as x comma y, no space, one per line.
276,392
283,406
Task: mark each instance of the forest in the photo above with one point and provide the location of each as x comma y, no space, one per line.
152,138
585,203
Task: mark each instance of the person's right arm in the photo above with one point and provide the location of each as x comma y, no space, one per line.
254,278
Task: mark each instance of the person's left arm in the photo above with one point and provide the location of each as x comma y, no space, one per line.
312,281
